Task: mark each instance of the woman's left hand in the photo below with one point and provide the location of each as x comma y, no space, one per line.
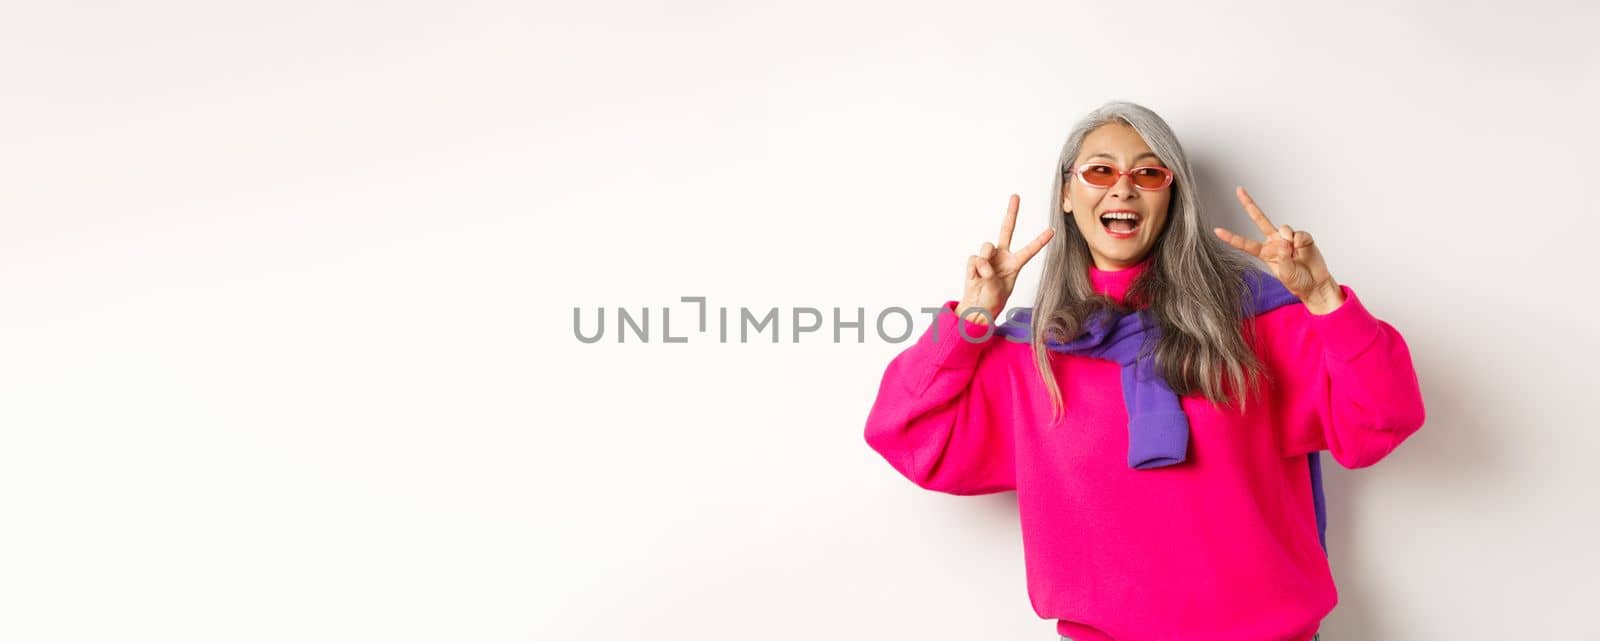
1292,257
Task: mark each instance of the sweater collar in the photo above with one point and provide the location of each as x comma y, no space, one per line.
1115,283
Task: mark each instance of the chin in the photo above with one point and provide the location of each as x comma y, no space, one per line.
1124,254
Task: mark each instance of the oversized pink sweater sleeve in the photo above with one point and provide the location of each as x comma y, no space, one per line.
1346,382
943,414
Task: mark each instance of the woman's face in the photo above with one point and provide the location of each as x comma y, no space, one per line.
1117,144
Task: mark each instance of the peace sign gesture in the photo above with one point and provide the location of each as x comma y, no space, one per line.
992,272
1291,255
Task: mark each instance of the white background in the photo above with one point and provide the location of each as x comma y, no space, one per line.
287,290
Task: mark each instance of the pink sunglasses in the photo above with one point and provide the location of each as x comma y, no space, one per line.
1101,176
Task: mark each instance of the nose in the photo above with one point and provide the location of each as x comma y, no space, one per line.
1123,188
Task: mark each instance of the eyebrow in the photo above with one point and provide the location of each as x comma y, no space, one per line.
1135,158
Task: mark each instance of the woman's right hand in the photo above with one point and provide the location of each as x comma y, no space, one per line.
992,272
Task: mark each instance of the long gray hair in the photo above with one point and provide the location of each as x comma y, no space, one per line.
1193,283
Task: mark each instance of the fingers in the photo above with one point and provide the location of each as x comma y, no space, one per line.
984,264
1256,215
979,267
1297,238
1039,242
1287,235
1009,223
1248,246
985,256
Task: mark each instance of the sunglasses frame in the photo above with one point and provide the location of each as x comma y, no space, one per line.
1078,171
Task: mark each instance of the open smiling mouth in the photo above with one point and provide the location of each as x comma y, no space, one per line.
1120,224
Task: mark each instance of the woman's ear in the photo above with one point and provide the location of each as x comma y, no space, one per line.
1066,199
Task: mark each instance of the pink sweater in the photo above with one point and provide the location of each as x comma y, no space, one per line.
1221,547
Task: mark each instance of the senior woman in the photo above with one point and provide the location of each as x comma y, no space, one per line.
1161,407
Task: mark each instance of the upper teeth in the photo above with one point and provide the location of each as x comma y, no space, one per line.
1120,214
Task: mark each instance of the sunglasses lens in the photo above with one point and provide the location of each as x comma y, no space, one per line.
1099,175
1149,177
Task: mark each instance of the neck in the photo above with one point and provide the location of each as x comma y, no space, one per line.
1115,282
